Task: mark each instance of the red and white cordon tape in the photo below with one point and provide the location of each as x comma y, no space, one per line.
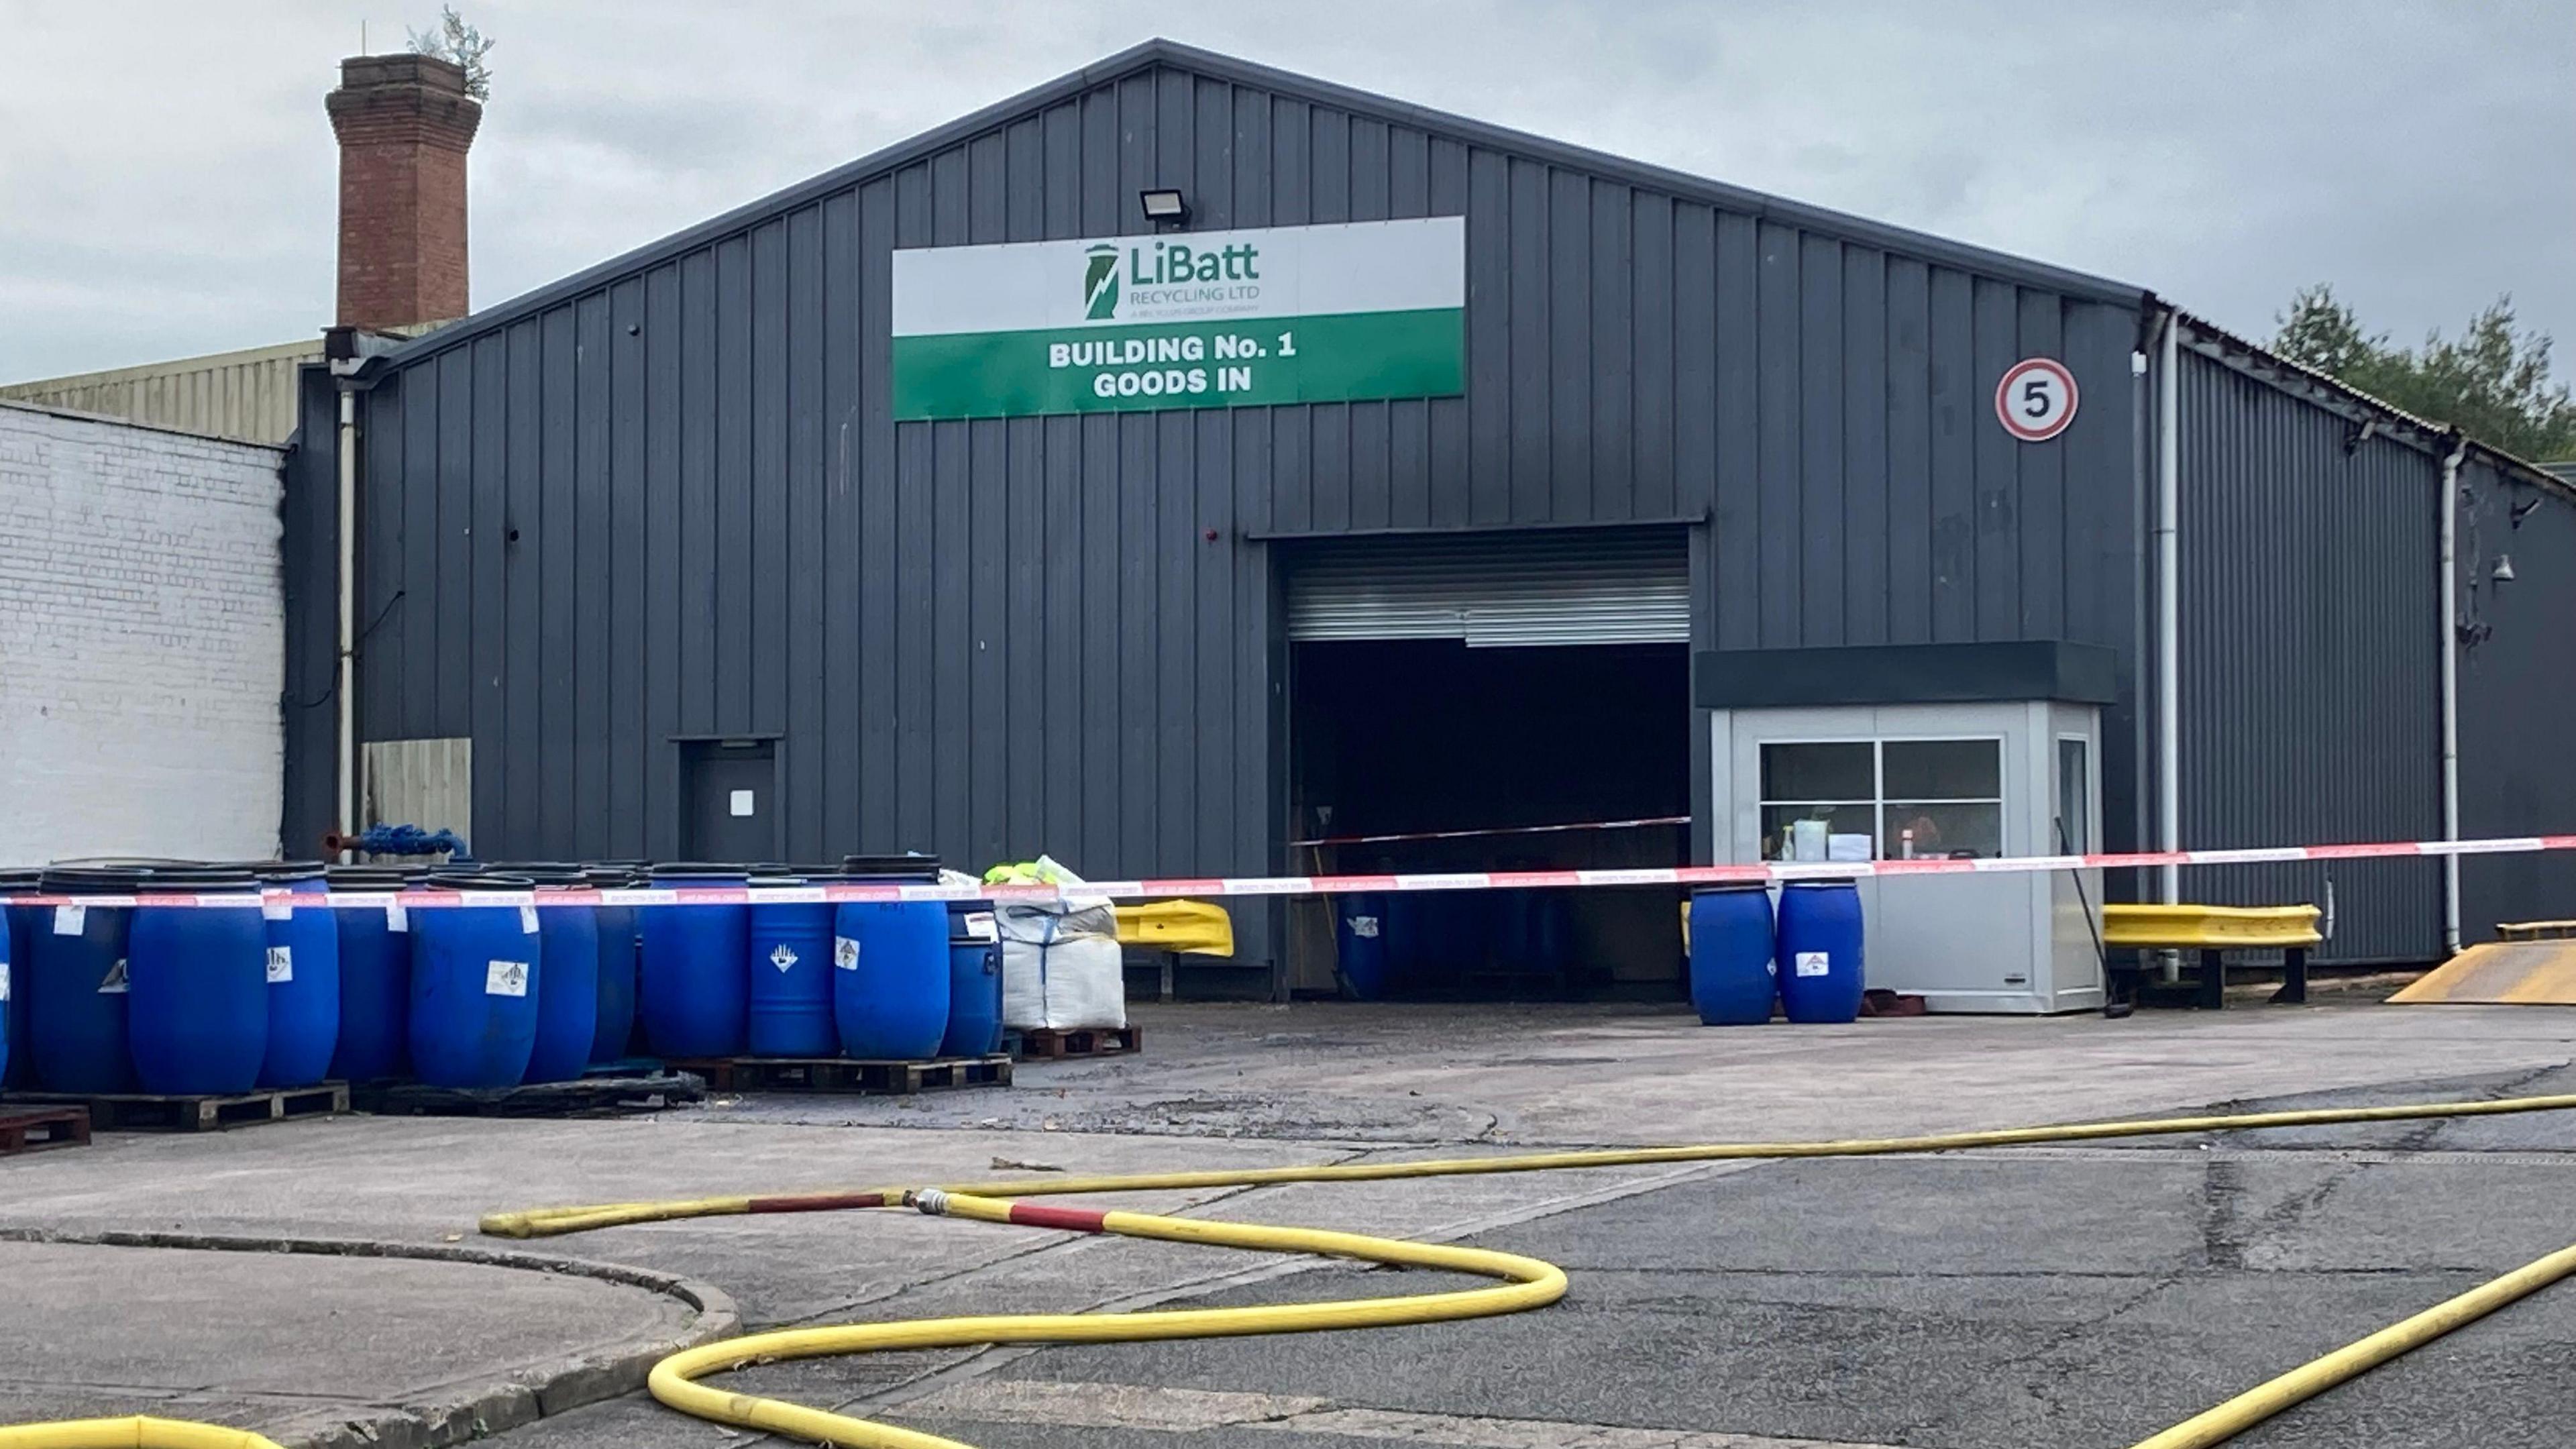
1311,885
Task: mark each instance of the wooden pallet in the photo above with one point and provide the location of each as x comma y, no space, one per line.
145,1112
2535,930
841,1075
590,1096
1040,1045
48,1127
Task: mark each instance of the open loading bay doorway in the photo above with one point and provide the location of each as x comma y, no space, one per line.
1491,689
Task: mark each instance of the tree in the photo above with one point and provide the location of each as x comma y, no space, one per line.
2492,382
456,41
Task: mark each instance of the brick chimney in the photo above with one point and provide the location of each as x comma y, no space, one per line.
404,123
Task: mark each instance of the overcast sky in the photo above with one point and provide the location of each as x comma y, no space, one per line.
166,172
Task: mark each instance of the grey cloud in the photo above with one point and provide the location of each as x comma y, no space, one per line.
167,188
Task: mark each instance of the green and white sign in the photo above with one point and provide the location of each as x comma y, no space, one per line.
1373,309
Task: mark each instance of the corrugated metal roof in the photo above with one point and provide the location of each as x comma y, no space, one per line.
2216,342
1216,66
247,396
111,420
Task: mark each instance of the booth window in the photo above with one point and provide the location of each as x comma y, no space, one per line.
2074,797
1877,799
1820,800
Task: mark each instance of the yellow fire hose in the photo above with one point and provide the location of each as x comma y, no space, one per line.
1528,1283
134,1431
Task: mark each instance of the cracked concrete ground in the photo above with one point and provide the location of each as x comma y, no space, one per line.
2073,1296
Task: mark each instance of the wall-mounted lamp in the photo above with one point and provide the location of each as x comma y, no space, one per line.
1164,206
2504,569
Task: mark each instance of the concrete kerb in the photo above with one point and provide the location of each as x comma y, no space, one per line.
538,1390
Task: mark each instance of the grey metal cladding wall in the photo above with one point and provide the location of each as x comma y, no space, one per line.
993,637
309,709
1865,492
2311,660
2517,695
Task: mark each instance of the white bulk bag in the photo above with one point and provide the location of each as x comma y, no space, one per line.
1062,969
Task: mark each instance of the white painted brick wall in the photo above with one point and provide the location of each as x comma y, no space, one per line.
142,642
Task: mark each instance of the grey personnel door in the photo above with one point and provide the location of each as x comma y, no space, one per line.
730,790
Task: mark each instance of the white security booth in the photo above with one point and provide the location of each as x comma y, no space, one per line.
1909,752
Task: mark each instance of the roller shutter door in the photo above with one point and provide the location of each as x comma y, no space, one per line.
1604,586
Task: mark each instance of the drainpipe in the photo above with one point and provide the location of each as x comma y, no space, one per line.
2168,604
345,691
2451,690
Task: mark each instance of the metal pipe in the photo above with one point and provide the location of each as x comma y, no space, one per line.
2451,691
2169,603
345,690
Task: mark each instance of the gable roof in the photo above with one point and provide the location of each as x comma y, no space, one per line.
1174,55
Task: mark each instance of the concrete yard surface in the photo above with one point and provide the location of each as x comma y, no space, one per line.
312,1347
2079,1295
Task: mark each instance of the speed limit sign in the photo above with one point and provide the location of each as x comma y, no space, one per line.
2036,399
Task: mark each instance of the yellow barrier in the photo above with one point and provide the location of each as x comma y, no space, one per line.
1199,927
2209,928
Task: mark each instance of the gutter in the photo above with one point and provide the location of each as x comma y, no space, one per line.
2450,548
2168,603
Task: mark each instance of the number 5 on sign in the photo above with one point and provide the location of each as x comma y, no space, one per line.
2036,399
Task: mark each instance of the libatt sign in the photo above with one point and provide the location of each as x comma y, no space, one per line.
1202,319
1171,264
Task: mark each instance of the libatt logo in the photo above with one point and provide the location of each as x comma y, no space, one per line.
1100,284
1172,273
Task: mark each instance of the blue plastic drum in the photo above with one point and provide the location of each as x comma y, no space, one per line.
474,986
789,951
76,1023
1732,979
200,994
1443,937
974,982
890,959
375,978
1531,929
693,988
1360,933
1820,951
567,992
890,991
614,1027
14,1068
303,979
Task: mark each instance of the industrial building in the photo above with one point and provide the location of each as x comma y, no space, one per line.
247,396
1185,462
